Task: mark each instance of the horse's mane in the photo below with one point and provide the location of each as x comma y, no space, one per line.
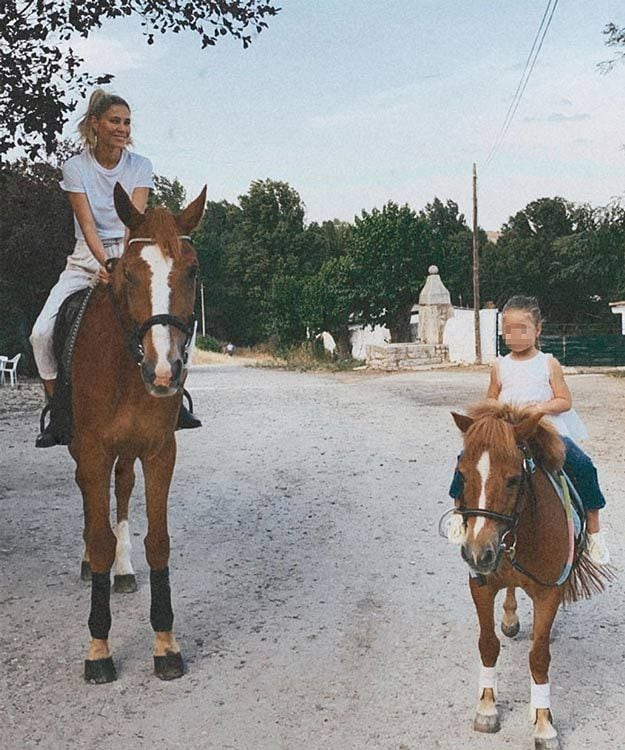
491,429
161,227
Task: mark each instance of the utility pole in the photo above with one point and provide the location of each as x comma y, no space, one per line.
203,314
476,275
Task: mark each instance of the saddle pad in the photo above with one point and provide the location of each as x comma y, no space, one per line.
64,339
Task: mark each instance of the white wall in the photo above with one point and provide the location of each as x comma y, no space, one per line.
459,336
362,337
619,309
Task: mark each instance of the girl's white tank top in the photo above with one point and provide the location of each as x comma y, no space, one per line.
525,381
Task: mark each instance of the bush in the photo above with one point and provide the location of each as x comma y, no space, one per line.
209,343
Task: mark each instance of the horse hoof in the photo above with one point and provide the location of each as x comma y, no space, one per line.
487,723
85,570
100,671
126,584
552,743
169,667
510,630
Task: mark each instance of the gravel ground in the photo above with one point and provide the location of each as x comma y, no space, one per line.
315,604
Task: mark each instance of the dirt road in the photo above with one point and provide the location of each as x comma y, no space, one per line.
316,606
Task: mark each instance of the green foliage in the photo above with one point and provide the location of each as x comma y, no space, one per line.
208,343
391,252
36,235
168,193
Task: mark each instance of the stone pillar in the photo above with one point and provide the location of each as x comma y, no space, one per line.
434,309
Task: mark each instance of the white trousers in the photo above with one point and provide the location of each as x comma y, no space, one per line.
80,272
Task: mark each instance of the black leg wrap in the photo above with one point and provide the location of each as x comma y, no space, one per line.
100,615
161,613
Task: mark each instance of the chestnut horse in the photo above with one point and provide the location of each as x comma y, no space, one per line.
128,371
517,532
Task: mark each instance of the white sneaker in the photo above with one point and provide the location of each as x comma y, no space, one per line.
597,548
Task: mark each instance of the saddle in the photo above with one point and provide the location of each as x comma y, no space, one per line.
66,328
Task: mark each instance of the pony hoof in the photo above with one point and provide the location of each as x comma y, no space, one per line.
125,584
487,723
169,667
510,630
85,570
541,743
100,671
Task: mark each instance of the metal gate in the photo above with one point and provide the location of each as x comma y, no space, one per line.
607,350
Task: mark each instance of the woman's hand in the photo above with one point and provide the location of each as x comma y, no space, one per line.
104,276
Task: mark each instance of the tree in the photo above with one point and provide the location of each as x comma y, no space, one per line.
615,38
269,244
453,247
36,235
391,252
328,300
39,70
168,193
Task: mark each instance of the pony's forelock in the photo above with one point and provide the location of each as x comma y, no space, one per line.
493,430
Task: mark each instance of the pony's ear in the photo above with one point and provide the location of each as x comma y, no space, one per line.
462,421
190,217
528,426
126,211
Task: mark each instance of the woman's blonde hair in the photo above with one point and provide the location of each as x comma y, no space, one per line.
99,102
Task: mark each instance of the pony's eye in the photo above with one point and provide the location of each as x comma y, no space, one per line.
512,482
192,272
129,277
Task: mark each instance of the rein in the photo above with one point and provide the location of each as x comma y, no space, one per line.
512,521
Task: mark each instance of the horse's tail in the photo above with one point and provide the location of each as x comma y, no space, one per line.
586,578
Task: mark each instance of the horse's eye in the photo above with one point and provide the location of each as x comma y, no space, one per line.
512,482
192,272
129,277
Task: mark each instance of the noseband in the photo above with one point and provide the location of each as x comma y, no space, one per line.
135,336
512,520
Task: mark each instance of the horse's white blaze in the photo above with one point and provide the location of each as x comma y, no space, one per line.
483,469
123,565
160,267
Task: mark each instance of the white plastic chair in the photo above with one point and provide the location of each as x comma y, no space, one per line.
3,361
10,366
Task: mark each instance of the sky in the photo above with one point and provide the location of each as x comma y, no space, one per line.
355,103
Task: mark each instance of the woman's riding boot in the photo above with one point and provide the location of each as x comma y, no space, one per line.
47,437
186,420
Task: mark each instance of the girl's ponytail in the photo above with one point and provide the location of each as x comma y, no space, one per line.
99,102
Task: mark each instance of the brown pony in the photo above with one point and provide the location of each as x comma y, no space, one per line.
128,371
516,533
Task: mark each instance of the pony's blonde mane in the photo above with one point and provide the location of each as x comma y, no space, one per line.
493,429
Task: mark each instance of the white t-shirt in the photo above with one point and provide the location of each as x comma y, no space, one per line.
83,174
525,381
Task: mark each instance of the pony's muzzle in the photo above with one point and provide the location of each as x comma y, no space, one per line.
483,558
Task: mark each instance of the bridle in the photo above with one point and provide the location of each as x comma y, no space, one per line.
511,521
508,539
135,336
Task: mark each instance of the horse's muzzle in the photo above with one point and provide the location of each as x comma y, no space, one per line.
162,384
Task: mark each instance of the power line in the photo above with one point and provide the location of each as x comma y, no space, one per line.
530,63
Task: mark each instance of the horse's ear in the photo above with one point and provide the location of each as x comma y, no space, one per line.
126,211
190,217
462,421
528,426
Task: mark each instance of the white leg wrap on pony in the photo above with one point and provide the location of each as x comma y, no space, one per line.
488,679
539,698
